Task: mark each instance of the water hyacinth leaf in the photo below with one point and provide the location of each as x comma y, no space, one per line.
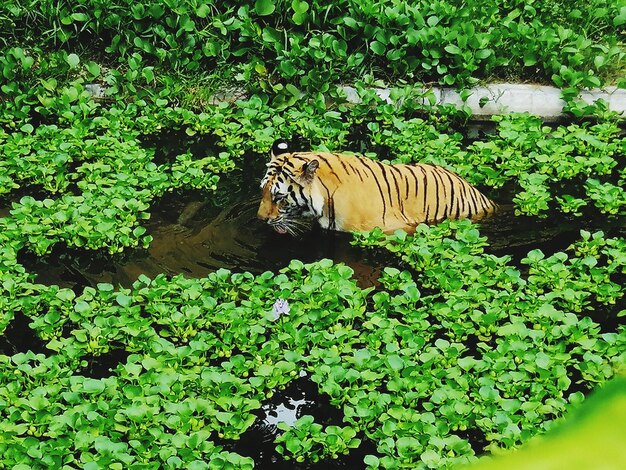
72,60
543,360
82,307
93,386
395,362
93,68
264,7
300,9
123,299
377,47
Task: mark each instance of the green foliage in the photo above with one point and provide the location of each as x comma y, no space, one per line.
115,179
586,436
311,44
309,439
399,362
563,168
464,343
467,343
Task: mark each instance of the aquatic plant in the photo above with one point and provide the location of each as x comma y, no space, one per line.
457,352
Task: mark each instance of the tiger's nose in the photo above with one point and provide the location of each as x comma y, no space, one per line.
263,213
262,216
267,211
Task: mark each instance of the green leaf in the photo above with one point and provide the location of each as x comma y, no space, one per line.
93,385
299,6
203,10
395,362
264,7
65,295
543,360
93,69
82,307
79,17
377,47
300,9
72,60
148,74
452,49
620,19
123,299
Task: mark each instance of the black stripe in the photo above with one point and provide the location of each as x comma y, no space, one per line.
366,164
331,213
329,202
413,170
425,205
487,203
343,164
358,172
474,202
453,196
355,170
394,169
386,179
438,171
400,170
432,172
332,170
308,203
462,198
406,184
299,157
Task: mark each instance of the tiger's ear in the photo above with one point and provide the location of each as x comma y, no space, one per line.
309,169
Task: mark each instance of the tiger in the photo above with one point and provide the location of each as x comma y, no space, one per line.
348,192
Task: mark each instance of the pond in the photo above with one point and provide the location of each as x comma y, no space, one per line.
196,233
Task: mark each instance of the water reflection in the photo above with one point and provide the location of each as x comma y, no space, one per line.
194,236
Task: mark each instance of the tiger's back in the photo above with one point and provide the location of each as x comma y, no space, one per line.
348,192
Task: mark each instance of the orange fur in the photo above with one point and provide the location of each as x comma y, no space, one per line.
353,193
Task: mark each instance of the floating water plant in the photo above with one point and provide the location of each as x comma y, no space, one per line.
454,353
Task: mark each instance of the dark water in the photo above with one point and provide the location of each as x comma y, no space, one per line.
196,233
299,398
192,237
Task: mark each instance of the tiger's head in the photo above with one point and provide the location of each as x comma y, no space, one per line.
287,202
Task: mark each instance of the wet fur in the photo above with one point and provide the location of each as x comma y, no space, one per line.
347,192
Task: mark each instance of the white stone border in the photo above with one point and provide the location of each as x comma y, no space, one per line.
484,101
503,98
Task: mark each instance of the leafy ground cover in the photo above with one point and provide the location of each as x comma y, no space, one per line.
457,352
419,370
182,52
463,353
303,42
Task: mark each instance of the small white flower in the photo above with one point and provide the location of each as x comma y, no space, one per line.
281,307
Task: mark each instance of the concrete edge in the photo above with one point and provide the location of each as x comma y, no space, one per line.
504,98
483,101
